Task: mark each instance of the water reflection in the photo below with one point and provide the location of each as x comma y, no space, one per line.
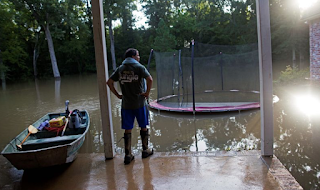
3,82
36,83
147,176
57,83
207,132
296,135
175,132
307,104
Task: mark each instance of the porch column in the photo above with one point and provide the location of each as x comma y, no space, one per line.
102,76
265,69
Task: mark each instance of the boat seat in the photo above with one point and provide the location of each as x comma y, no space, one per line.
52,139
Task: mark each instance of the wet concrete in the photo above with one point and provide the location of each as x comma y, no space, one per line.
201,170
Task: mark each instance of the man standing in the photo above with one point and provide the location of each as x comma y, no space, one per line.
131,75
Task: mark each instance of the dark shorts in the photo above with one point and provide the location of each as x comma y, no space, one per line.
128,115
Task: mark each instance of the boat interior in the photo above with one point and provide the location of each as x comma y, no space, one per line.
47,138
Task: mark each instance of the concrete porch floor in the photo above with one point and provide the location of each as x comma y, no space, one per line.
163,171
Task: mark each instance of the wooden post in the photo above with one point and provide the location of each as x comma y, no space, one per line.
102,76
265,68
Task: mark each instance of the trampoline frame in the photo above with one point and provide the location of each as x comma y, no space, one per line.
156,104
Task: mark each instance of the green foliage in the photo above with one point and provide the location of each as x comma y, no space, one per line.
71,30
157,10
172,25
182,28
164,41
13,45
289,32
72,46
292,76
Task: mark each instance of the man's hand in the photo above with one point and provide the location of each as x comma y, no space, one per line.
145,94
149,85
110,83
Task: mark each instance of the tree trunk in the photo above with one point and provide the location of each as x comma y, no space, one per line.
2,74
35,73
114,66
113,57
302,66
294,64
1,70
55,68
35,56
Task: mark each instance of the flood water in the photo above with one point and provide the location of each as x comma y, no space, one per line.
296,132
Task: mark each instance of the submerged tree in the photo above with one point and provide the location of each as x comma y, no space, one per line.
47,13
111,12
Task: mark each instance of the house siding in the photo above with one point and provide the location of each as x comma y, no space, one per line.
315,49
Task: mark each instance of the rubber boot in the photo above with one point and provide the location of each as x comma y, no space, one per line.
145,138
127,147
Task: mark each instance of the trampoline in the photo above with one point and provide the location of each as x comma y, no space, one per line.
207,78
170,105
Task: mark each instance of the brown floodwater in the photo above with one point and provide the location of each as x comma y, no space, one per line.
296,131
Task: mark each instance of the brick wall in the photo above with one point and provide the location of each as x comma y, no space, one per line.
315,49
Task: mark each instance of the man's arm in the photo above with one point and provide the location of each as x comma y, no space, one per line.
110,83
149,85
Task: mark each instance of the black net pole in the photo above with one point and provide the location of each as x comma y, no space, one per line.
192,67
180,74
158,78
174,55
221,70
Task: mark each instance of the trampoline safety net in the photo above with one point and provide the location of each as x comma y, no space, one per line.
208,78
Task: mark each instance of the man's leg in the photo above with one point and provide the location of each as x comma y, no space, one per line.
127,124
142,118
127,147
145,138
